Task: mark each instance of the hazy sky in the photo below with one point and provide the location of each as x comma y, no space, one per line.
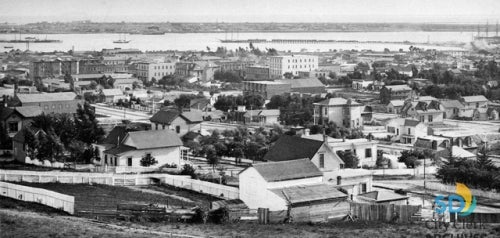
447,11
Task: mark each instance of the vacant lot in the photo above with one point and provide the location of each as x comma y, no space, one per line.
105,198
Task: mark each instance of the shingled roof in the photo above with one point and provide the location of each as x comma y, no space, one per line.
292,148
287,170
164,116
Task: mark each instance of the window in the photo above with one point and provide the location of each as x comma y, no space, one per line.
129,161
363,188
105,159
321,160
430,118
409,131
368,153
178,129
13,126
477,104
422,118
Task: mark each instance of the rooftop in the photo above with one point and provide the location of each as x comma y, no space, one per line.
292,148
46,97
152,139
287,170
337,102
309,193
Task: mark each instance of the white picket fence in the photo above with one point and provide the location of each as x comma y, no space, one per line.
217,190
38,195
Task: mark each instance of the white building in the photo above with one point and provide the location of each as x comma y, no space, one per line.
163,145
154,69
343,112
295,184
279,65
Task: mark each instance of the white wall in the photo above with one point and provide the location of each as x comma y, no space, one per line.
171,155
331,162
254,192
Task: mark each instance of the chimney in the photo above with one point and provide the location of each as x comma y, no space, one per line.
325,138
307,132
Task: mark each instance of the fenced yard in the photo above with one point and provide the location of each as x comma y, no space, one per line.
185,182
38,195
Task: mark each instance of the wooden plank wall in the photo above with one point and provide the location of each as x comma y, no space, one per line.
384,212
476,217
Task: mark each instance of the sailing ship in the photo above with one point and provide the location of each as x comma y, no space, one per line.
122,41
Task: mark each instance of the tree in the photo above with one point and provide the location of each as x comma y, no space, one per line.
148,160
31,142
350,160
380,159
411,158
212,157
86,125
288,75
483,160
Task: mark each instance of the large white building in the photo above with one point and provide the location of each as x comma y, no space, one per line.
279,65
154,69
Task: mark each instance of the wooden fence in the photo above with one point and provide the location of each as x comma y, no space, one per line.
384,212
38,195
181,181
476,217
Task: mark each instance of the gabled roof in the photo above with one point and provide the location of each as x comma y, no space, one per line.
29,111
152,139
410,122
397,103
309,193
46,97
291,148
287,170
193,116
479,98
164,117
451,104
5,113
459,152
115,135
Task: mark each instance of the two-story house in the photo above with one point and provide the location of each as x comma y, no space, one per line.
343,112
412,129
423,111
14,119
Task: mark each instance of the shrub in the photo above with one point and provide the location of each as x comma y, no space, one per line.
187,169
148,160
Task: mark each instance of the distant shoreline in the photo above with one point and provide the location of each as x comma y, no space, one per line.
223,32
152,28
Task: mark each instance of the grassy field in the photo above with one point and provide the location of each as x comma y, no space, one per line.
21,219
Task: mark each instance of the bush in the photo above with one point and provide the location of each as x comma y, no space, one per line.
187,169
148,160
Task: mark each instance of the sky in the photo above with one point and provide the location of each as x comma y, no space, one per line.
412,11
